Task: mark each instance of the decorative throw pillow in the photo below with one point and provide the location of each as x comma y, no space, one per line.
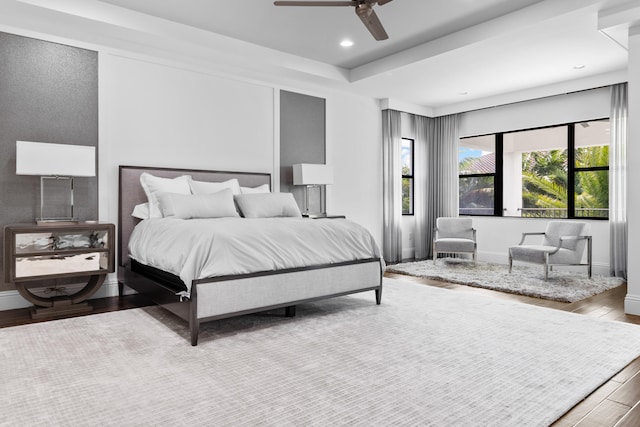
204,187
141,211
264,188
154,184
268,205
217,205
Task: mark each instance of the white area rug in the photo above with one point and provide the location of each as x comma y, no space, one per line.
426,356
565,286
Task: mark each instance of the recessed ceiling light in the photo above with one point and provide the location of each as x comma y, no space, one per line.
346,43
578,67
463,93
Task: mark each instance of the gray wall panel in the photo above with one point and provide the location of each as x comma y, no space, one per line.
302,139
48,93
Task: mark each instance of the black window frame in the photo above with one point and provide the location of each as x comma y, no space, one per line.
410,177
572,170
497,176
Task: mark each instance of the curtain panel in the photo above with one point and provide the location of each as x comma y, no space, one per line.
436,177
618,181
392,186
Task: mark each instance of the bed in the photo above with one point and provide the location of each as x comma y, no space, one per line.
228,292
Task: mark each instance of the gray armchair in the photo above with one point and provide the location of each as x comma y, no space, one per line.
563,243
454,235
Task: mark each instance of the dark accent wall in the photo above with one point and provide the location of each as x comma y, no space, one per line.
302,139
48,93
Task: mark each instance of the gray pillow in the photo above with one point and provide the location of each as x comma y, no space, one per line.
216,205
268,205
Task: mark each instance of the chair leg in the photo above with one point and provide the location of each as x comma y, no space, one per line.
589,256
435,254
510,261
546,266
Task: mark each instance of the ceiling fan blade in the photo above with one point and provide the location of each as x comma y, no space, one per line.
371,21
315,3
383,2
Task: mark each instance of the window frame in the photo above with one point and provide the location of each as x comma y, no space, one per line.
410,177
572,170
497,176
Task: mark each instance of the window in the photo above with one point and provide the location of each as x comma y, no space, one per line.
477,169
407,176
553,172
591,169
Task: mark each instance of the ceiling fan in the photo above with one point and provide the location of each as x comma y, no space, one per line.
364,10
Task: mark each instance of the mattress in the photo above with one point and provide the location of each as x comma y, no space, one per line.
204,248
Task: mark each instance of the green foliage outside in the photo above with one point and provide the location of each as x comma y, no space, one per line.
544,181
544,184
406,192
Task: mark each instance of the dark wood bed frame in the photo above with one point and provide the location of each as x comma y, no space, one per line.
165,289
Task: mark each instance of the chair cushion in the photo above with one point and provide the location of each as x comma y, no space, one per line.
557,229
461,228
535,254
530,253
454,245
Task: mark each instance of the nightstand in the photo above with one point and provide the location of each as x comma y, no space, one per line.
54,251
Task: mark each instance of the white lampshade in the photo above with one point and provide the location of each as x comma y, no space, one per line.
47,159
312,174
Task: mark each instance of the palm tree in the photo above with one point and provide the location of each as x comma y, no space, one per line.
544,179
544,175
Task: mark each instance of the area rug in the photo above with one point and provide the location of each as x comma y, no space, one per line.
565,286
426,356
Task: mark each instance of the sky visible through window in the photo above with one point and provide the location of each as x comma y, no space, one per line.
465,153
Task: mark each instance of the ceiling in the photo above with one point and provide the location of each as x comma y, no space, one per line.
442,55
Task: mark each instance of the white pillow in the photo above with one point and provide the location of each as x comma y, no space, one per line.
204,187
154,184
264,188
141,211
217,205
268,205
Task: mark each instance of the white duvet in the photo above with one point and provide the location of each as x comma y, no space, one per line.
202,248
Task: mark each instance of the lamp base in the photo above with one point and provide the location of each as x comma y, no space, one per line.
56,221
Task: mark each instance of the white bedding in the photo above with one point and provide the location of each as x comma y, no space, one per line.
201,248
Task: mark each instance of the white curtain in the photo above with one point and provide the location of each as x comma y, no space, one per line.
423,134
618,181
436,177
392,186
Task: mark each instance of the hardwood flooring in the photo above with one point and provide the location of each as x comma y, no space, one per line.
615,403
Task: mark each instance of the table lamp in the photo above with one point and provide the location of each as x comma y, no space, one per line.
60,162
312,175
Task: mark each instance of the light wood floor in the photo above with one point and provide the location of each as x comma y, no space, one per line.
615,403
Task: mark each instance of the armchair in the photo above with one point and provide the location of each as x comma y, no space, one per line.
563,243
454,235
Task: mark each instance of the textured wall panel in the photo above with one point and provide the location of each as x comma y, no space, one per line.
302,139
48,93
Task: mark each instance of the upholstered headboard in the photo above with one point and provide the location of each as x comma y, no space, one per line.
132,194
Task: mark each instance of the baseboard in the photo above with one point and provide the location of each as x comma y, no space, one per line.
632,304
408,253
10,300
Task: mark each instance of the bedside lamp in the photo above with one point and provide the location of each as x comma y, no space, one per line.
312,175
55,162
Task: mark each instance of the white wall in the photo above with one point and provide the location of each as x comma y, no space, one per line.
354,148
160,115
553,110
632,301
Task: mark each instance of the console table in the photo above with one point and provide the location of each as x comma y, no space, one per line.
81,250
